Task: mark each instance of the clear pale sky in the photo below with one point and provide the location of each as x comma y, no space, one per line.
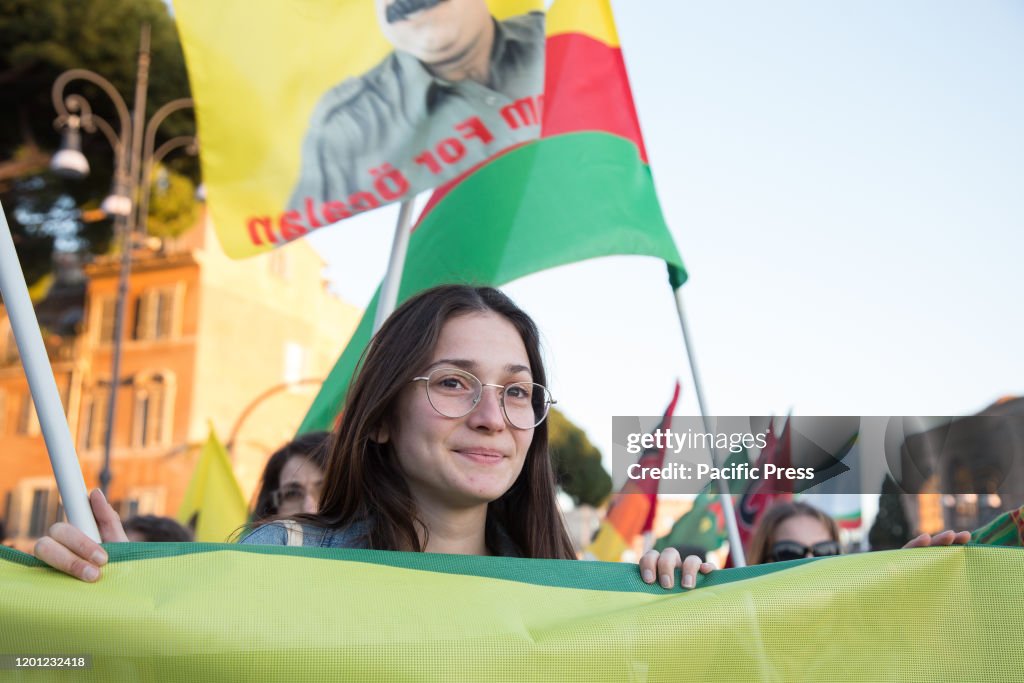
845,182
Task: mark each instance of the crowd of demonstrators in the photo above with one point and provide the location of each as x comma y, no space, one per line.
794,530
442,447
156,529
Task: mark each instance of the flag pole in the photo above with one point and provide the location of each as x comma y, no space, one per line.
396,264
43,387
739,559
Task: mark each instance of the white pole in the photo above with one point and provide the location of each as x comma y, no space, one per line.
739,559
41,383
393,278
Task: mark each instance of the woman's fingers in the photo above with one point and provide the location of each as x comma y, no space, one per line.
922,541
667,564
948,537
107,519
78,543
56,554
649,566
72,552
661,567
691,565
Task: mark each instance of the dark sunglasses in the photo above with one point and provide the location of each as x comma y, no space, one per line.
791,550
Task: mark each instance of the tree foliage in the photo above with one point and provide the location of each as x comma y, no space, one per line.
39,39
577,462
172,204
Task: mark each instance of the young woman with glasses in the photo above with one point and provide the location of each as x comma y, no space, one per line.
442,447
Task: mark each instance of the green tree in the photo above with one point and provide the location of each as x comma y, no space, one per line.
891,528
172,204
577,462
39,39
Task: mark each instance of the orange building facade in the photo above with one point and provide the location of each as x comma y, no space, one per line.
239,346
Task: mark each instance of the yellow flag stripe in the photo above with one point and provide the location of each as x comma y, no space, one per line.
591,18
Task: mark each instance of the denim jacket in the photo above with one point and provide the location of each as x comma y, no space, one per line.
356,536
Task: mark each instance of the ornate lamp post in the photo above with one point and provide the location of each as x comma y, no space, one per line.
134,155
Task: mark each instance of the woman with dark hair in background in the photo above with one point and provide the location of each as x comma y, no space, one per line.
292,478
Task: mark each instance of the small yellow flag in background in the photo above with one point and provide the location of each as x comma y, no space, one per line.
213,496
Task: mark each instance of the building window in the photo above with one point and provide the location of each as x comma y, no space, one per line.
129,508
94,420
154,314
295,356
142,501
106,307
8,510
39,518
152,412
28,421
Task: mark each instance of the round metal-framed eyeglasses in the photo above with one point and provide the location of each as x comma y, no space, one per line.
456,393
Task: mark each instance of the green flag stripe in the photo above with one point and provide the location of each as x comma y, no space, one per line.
227,616
551,202
585,575
589,575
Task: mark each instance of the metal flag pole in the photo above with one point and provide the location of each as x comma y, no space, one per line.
43,387
739,559
393,278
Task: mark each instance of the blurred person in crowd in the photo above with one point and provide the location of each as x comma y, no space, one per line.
794,530
292,478
156,529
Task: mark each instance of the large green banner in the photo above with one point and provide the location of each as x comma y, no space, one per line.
210,612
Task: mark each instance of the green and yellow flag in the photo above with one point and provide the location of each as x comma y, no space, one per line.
210,612
582,190
214,505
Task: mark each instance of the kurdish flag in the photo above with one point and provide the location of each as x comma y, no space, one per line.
703,524
214,505
1006,529
583,190
213,613
632,510
761,494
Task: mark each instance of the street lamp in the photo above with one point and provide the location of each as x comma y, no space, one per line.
128,201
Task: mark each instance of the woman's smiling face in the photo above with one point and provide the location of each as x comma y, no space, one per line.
469,461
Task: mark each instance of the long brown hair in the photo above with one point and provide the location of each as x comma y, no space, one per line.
363,480
764,534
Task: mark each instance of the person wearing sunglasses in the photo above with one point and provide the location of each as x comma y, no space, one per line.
442,447
795,530
792,531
